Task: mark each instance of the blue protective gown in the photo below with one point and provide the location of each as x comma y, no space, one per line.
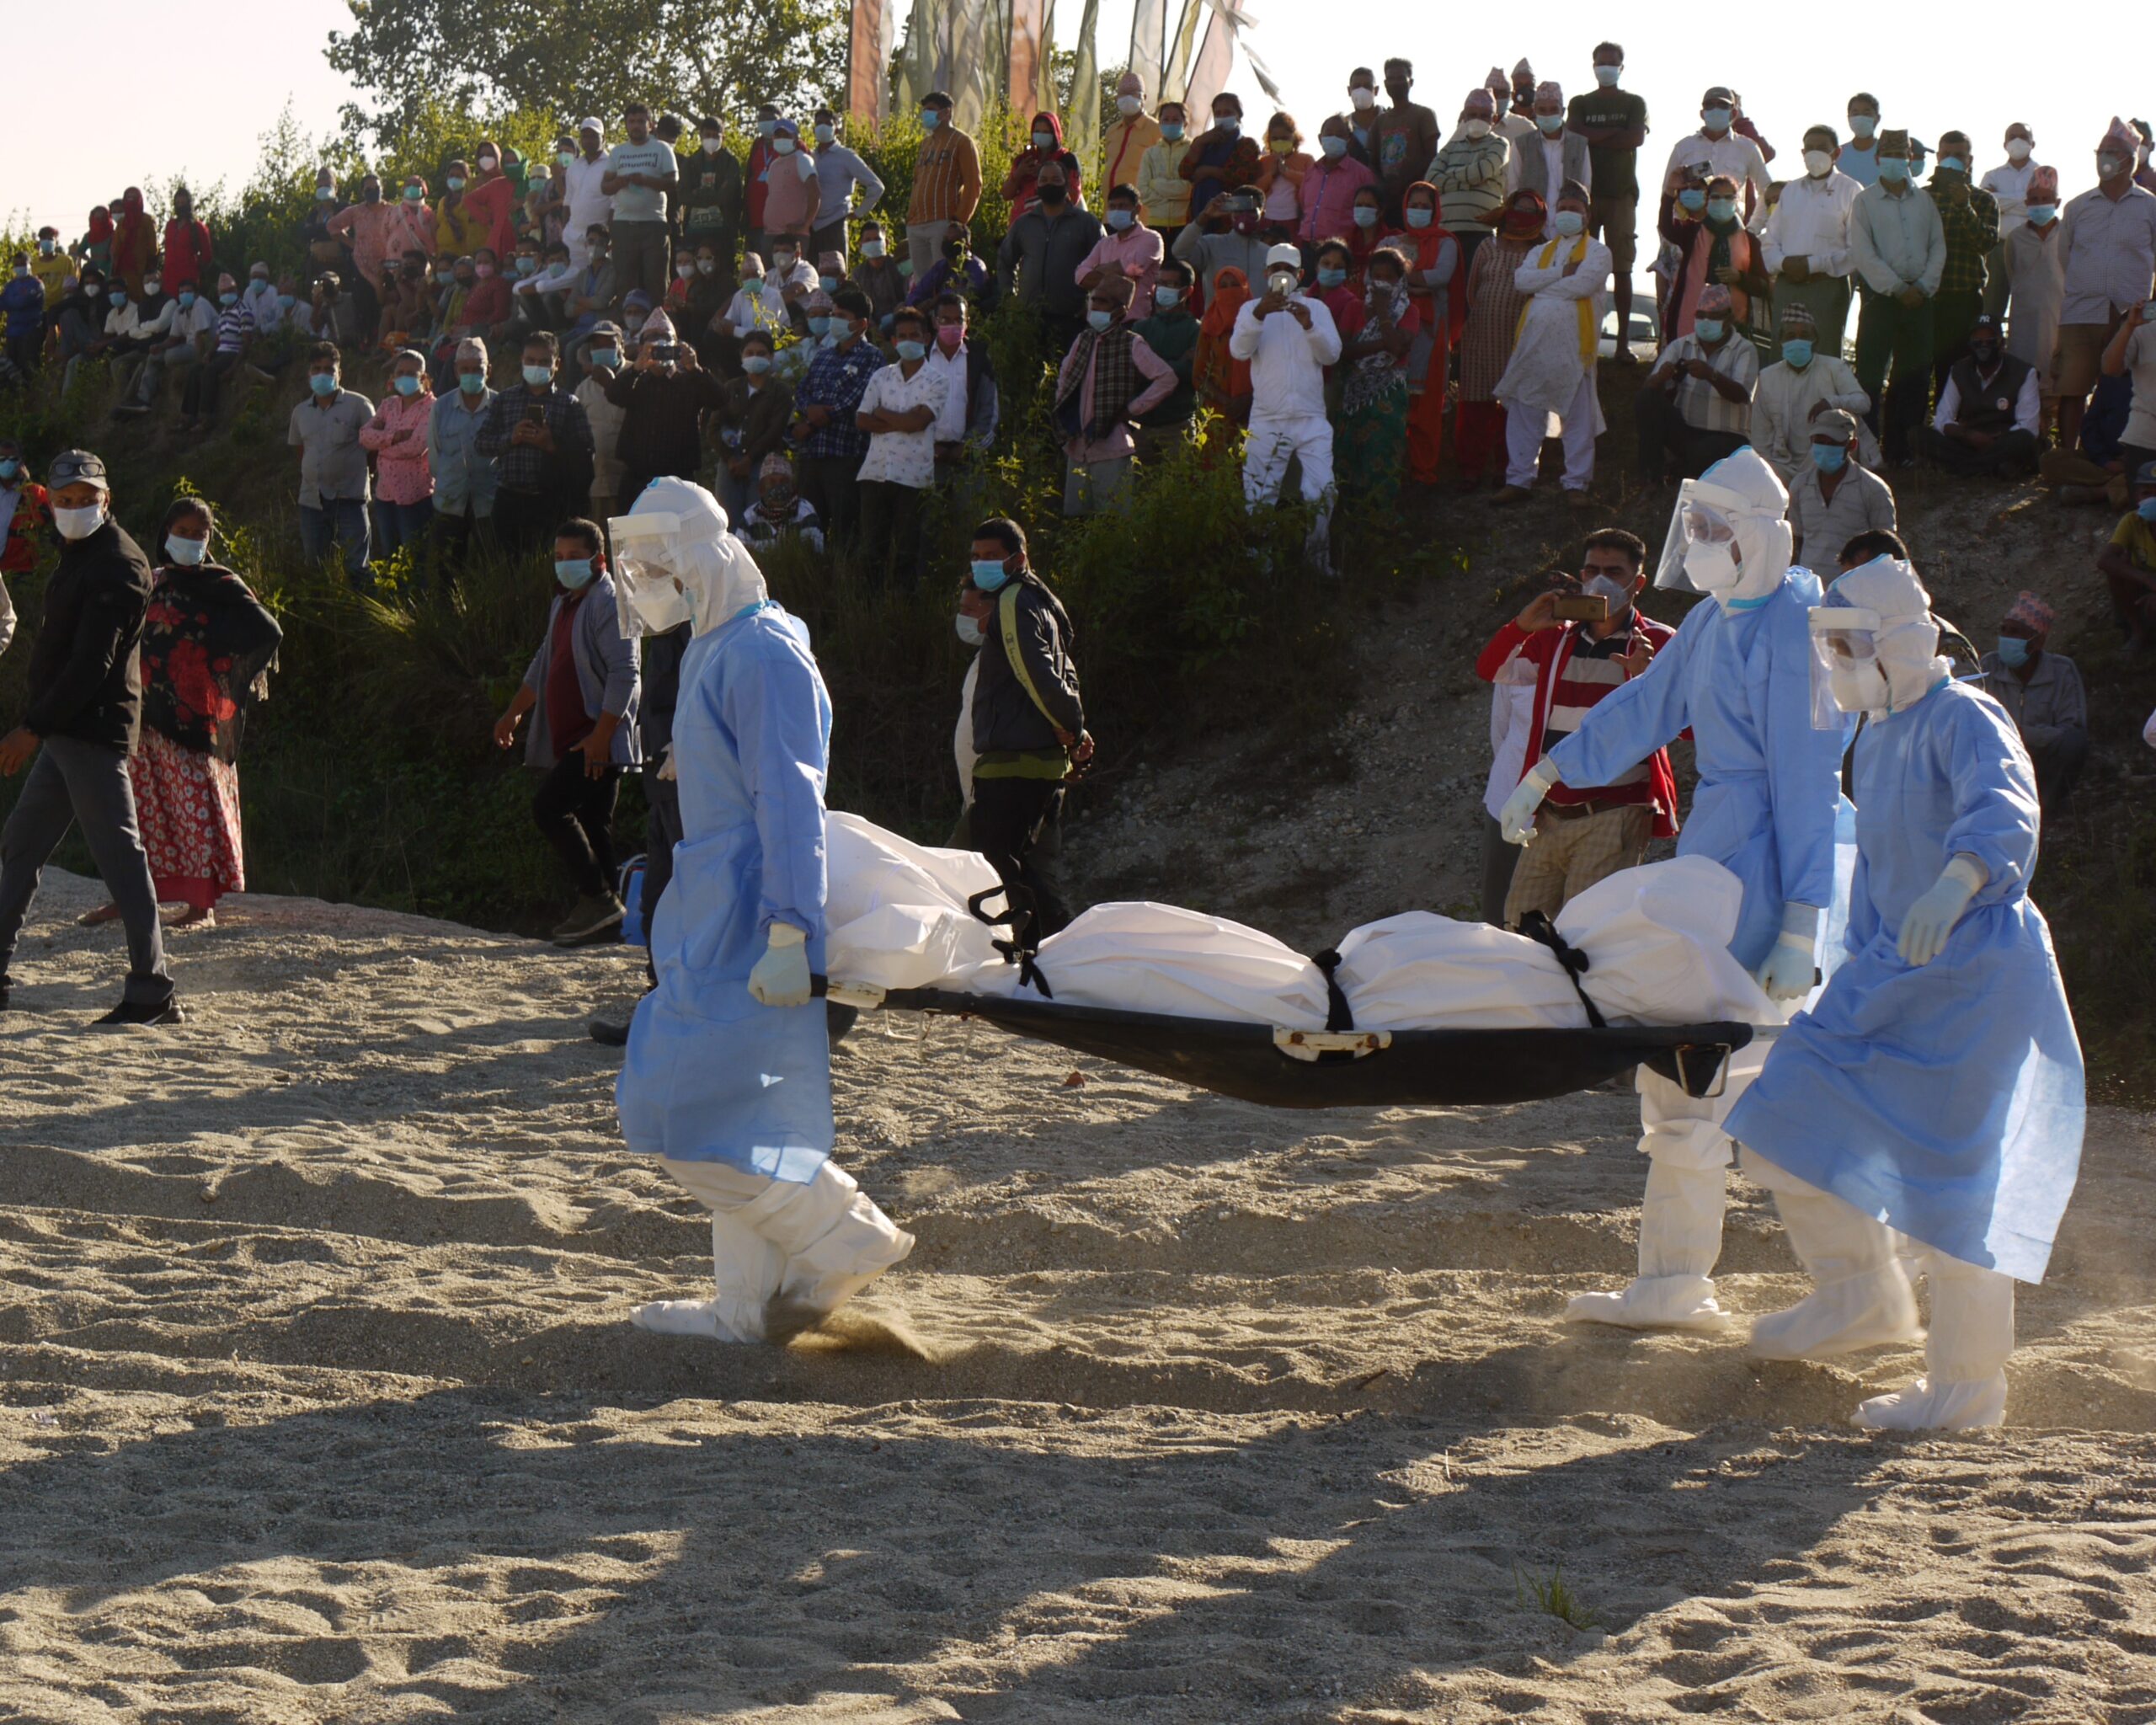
1945,1101
711,1074
1769,787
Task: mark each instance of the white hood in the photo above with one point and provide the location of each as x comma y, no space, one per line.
1884,599
675,562
1746,495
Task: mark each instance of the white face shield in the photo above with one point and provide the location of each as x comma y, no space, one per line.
648,597
675,563
1846,674
1727,536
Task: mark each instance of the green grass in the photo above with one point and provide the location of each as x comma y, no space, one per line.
1554,1595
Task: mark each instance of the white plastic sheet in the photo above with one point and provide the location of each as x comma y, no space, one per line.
1418,971
895,911
1144,957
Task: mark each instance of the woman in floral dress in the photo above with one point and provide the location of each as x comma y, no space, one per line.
207,646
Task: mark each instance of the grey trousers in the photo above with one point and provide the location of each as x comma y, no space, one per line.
72,781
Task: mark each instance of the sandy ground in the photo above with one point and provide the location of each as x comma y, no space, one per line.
318,1401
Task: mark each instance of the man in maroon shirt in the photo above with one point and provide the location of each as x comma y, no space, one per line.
1586,833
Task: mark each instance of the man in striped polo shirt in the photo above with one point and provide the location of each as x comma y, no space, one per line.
1586,834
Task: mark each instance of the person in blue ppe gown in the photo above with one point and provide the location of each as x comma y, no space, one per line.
1935,1089
727,1074
1768,807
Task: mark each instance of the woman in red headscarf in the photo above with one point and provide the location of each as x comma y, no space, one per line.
1433,255
133,242
1493,313
1021,185
1222,380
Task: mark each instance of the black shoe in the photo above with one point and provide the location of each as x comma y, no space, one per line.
168,1010
610,1032
6,990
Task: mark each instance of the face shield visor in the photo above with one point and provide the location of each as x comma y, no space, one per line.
1702,530
1847,675
648,597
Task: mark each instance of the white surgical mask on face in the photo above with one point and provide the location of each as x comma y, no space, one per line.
1364,99
1127,105
2017,150
1859,686
1817,162
1477,129
1615,591
79,523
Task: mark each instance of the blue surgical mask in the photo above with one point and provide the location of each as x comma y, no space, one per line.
1172,130
990,576
1607,76
969,630
1331,276
1334,147
1893,169
1722,209
1717,119
1797,353
1365,216
908,350
538,377
764,128
2146,509
1118,220
1864,124
472,382
1549,123
1916,165
186,298
228,299
1228,126
1044,140
931,118
455,183
9,468
820,326
184,550
1692,198
1418,218
407,386
1568,223
285,300
445,276
1100,319
323,382
829,283
1829,458
119,296
574,573
1168,298
2013,652
1709,329
2041,214
1952,164
755,365
825,131
607,357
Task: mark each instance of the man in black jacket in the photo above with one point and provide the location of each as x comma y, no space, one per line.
85,707
1029,719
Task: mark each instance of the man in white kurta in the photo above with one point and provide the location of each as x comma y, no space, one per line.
1288,338
1548,388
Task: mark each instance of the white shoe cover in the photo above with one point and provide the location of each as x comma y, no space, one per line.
690,1317
835,1241
1925,1405
1652,1303
745,1272
1871,1310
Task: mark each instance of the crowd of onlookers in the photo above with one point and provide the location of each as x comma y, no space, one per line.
1396,301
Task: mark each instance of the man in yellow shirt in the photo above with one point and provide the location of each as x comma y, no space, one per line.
1129,135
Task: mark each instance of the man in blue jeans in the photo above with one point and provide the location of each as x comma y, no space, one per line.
325,429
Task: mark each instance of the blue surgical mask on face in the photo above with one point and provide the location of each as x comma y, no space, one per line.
1418,218
825,131
1709,329
605,357
1365,216
1952,164
1864,124
228,299
2041,214
285,300
1722,209
455,183
9,468
407,386
1893,169
574,573
1118,220
1168,298
764,128
1331,276
186,298
990,576
931,118
1829,458
323,382
1797,353
755,365
538,377
908,350
1334,147
1100,319
2013,652
1044,140
1607,76
2146,509
472,382
1568,222
1691,199
820,326
1172,130
1228,126
1717,119
1549,123
829,283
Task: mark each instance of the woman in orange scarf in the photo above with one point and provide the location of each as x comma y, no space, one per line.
1433,256
1222,380
134,243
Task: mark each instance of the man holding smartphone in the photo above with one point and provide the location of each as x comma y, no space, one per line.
1584,640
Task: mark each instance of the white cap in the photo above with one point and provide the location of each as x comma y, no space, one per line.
588,124
1290,255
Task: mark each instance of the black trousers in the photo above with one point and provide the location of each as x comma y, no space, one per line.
890,530
525,521
1664,433
206,383
1017,826
832,485
575,812
2010,452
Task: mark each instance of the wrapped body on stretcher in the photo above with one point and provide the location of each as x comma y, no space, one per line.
1656,939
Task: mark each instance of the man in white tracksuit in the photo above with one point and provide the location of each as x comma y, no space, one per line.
1288,340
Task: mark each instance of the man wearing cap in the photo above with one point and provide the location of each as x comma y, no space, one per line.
2009,185
1553,156
1727,152
1791,393
642,173
1990,412
1551,369
79,721
2041,691
1835,496
1110,377
2033,272
1287,337
584,190
1615,124
1805,241
1472,173
1695,406
2128,564
1969,216
1897,247
2110,259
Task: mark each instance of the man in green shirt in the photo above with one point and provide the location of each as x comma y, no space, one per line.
1615,124
1171,332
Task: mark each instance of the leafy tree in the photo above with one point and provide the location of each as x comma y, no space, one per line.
539,56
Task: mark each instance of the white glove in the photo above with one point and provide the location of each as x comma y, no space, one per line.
781,978
1516,820
1791,968
666,773
1926,924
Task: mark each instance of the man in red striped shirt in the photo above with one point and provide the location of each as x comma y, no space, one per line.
1585,833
